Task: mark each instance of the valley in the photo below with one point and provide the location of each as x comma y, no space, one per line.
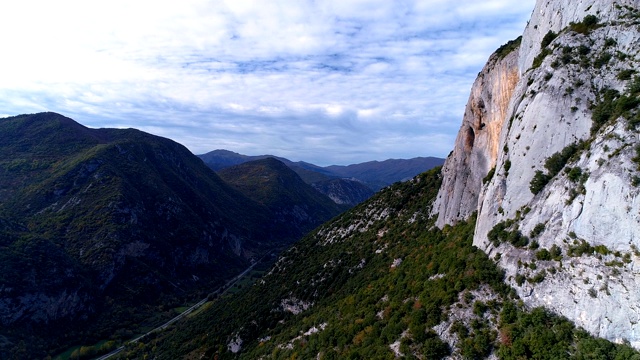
522,244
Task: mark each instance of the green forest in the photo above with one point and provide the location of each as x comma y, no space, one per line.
379,282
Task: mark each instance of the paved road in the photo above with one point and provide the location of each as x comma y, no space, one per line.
220,290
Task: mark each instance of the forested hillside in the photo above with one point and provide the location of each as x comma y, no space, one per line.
379,282
106,232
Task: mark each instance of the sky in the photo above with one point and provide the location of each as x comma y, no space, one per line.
323,81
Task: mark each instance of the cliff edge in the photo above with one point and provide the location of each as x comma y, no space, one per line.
557,194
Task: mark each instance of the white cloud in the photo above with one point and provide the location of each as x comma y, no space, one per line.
305,78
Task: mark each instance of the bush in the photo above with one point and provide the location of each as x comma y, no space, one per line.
548,38
543,254
588,24
557,161
555,252
574,174
537,61
509,47
602,60
539,181
625,74
489,176
537,230
580,248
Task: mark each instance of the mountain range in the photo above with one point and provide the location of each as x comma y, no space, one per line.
101,225
105,231
524,245
374,174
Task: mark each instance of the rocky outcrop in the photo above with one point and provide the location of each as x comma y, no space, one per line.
556,15
561,213
476,147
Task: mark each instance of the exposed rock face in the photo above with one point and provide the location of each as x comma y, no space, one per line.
590,208
556,15
476,147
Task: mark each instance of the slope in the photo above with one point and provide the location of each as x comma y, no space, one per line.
101,225
274,185
344,191
558,201
378,282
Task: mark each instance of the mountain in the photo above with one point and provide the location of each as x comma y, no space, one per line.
374,174
379,174
524,246
293,202
220,159
380,281
101,226
344,191
548,157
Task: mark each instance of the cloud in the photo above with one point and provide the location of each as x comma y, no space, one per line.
330,81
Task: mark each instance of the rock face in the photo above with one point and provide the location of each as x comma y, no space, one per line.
476,147
561,213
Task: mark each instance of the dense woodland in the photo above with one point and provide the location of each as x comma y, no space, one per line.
375,287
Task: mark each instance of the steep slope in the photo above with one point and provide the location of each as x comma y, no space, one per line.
293,202
344,191
101,224
378,282
476,147
560,211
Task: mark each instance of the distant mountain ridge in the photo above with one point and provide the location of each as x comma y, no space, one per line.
374,174
271,183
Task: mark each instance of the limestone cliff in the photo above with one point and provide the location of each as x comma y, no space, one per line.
476,147
561,211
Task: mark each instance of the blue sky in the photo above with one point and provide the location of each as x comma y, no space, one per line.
324,81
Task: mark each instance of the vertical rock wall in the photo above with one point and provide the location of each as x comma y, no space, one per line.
593,219
476,146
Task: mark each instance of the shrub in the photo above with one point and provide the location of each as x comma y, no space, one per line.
555,252
539,181
584,50
580,249
539,277
479,308
509,47
588,24
557,161
602,60
625,74
537,61
501,232
537,230
489,176
574,174
548,38
543,254
634,87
